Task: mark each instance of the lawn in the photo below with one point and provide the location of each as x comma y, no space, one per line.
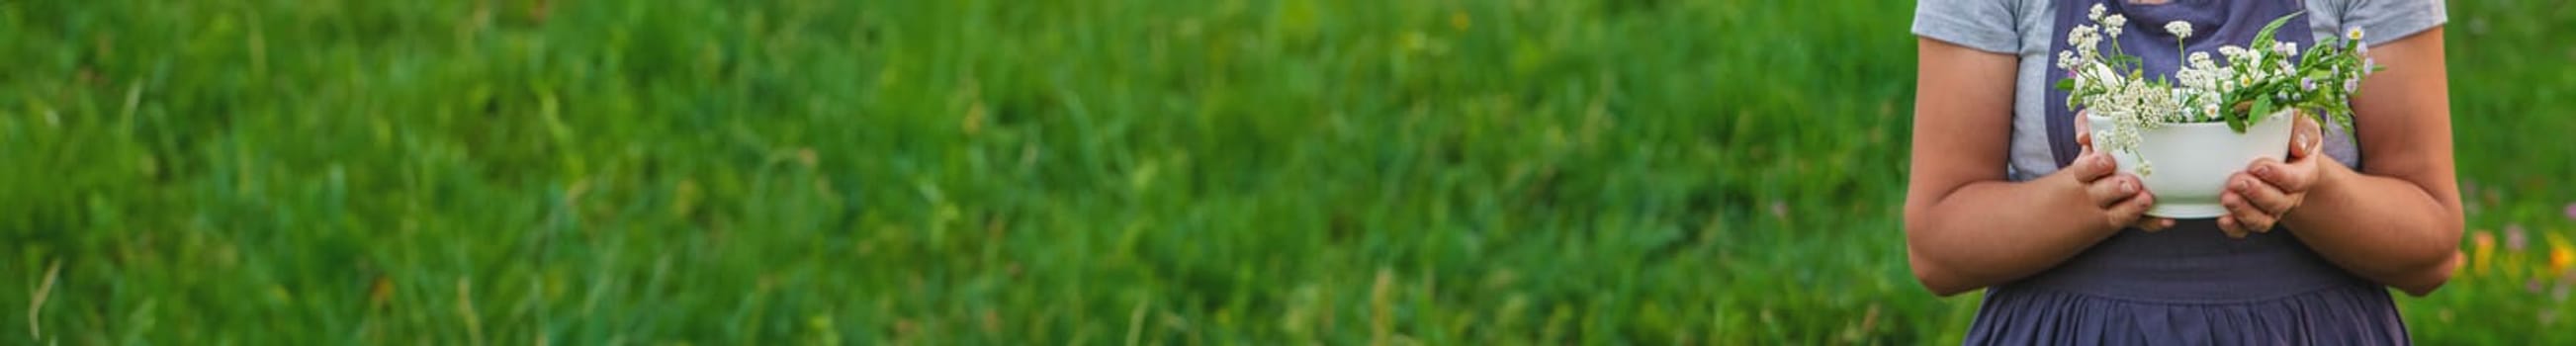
1051,172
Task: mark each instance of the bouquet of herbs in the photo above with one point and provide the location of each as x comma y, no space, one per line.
2256,80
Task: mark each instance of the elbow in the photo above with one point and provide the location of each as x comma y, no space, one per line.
1934,279
2422,271
1935,276
2424,281
2436,265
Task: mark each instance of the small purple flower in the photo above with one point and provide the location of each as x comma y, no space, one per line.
2349,86
2515,238
2532,285
2571,211
2308,83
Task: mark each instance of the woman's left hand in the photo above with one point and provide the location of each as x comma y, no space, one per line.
2259,196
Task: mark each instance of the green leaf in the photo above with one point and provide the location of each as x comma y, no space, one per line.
2266,34
2262,107
2066,84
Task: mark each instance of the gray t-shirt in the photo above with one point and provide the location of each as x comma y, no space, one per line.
2025,28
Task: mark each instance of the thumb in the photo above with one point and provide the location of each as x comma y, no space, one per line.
2083,132
2306,137
2082,126
2084,140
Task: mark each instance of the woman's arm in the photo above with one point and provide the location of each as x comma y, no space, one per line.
1966,227
2398,220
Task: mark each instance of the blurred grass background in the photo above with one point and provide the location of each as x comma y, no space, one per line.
1070,171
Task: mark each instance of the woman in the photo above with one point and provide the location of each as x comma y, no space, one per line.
2007,195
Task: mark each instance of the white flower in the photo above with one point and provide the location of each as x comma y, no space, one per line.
2086,38
2180,29
2351,34
2201,90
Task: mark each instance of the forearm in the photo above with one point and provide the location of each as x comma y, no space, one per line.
1992,232
2388,230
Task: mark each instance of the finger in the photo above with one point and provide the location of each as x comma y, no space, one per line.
2084,139
2091,167
2152,224
2080,124
2083,131
2248,218
2305,137
2228,224
2271,200
2290,178
2113,190
2129,211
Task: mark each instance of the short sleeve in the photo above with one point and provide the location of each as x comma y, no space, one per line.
1985,25
2382,21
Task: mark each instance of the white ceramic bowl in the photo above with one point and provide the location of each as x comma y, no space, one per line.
2192,161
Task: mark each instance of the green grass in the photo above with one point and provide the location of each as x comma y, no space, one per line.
1011,172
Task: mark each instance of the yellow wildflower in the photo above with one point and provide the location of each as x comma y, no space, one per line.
2484,244
2560,258
2561,255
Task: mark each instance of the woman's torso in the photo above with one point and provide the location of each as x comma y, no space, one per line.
2188,284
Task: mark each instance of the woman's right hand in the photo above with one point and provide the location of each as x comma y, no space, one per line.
2121,198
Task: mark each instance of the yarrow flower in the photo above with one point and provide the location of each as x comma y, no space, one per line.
2180,29
2085,38
2111,24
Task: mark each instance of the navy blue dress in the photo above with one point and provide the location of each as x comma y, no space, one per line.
2190,285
